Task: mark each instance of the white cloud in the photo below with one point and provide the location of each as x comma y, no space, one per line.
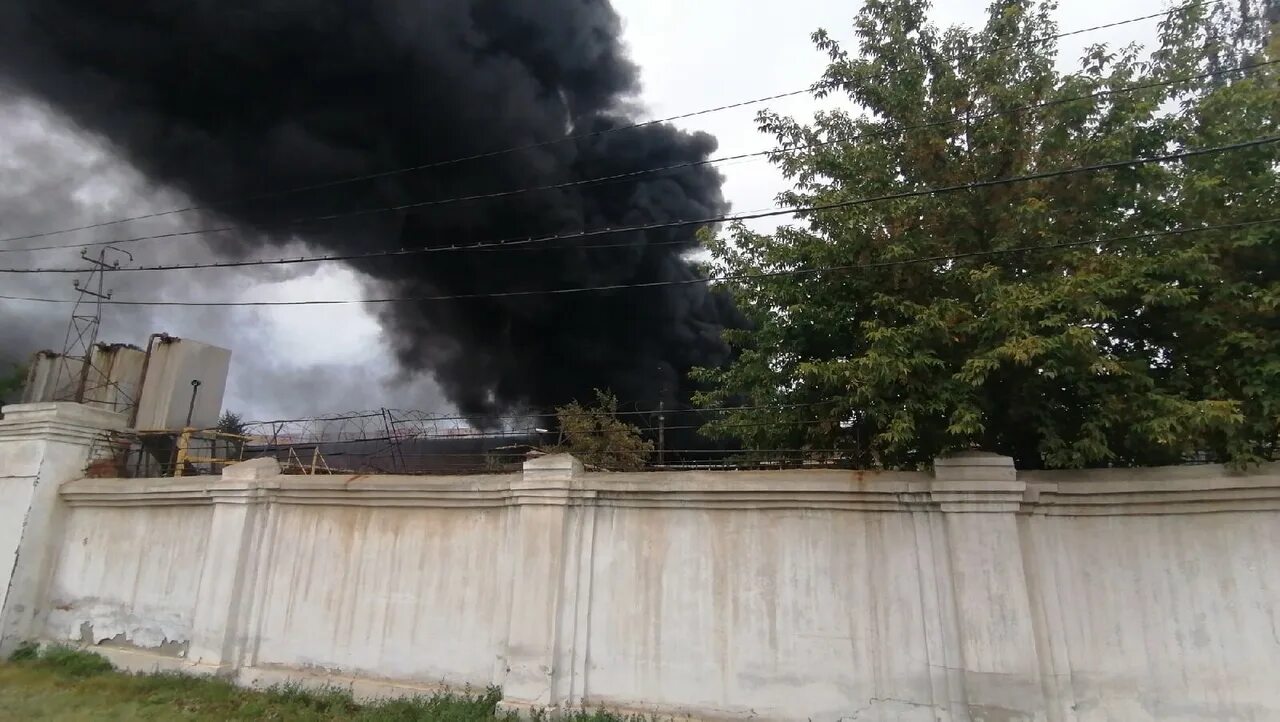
708,53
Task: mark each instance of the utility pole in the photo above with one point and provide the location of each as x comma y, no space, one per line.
82,331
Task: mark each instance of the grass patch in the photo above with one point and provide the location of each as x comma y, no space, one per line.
60,683
67,661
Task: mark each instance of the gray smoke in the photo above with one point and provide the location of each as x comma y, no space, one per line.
53,175
228,103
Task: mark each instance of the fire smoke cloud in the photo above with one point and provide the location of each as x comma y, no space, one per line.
226,102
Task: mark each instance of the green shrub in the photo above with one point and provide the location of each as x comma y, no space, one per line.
74,662
25,652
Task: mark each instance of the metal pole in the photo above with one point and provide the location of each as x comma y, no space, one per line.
195,386
397,458
662,432
180,453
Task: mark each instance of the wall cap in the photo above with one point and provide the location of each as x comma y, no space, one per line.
816,490
64,412
555,462
552,474
974,466
252,470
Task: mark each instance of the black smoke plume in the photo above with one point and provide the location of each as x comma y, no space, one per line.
227,100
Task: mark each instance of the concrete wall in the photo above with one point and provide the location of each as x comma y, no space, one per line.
972,593
424,599
135,582
41,446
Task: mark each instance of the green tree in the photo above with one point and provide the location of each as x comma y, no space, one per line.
599,438
231,446
231,423
11,383
1132,352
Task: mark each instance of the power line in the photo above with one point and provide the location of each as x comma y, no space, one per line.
401,416
815,87
637,173
1111,165
709,279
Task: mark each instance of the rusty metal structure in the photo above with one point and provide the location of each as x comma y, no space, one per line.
398,441
188,452
395,441
77,374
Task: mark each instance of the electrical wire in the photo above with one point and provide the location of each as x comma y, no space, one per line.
398,415
1110,165
958,118
882,132
652,284
815,87
1132,162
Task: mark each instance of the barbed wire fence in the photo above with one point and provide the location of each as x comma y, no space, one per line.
392,441
400,441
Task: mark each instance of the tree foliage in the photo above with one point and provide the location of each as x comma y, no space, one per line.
1141,351
11,383
599,438
231,423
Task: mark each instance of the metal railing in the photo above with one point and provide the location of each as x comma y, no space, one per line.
185,452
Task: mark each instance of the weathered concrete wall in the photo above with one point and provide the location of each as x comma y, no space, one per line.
1162,617
410,594
1159,593
125,577
41,446
738,611
972,593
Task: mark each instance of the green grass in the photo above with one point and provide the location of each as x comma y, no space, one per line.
59,683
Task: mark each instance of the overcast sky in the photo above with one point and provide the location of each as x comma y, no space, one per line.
693,54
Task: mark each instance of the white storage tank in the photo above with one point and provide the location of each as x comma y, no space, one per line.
112,383
167,385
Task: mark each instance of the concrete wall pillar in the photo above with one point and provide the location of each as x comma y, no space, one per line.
551,543
980,497
41,446
230,564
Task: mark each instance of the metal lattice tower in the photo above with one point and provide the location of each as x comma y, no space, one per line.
82,330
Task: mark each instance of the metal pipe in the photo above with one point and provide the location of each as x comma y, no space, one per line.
662,431
195,386
28,388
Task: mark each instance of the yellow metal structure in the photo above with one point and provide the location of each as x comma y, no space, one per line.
183,455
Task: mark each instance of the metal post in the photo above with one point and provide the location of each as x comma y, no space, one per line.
662,432
180,453
397,457
195,386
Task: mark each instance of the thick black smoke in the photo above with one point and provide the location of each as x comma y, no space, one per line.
226,100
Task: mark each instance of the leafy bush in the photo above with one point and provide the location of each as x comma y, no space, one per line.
70,661
25,652
599,438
